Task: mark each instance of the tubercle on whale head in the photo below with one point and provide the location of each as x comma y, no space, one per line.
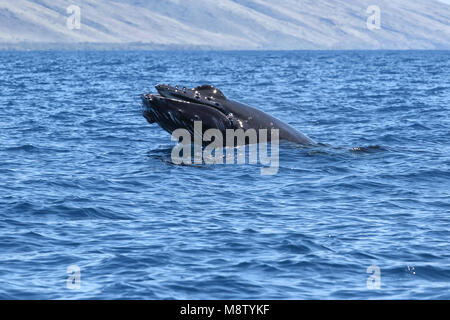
202,92
207,95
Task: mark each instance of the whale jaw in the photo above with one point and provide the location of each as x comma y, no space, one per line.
171,113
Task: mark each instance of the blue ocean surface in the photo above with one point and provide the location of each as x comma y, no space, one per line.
87,183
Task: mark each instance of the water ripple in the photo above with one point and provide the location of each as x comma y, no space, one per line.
87,182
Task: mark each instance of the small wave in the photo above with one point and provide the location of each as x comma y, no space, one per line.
60,210
25,147
368,149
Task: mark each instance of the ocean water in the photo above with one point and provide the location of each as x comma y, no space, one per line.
87,182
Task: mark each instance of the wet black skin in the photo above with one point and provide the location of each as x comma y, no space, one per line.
176,107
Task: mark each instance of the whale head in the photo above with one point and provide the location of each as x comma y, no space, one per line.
174,108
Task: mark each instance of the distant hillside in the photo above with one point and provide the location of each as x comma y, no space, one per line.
224,24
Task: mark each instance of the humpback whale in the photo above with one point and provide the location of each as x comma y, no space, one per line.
174,107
